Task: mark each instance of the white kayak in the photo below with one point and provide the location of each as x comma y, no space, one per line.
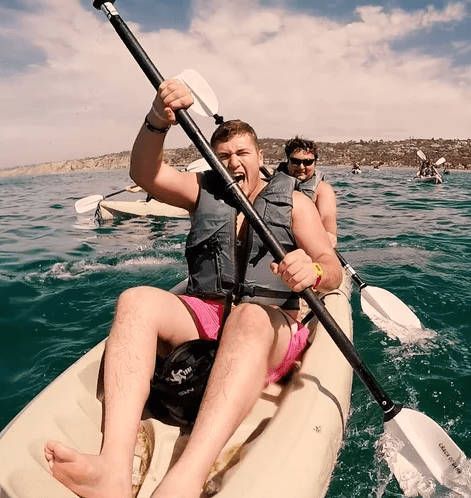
356,171
107,210
435,179
286,447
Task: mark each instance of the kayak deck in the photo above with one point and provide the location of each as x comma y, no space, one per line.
286,446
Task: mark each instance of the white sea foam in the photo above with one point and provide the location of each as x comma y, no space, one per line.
406,335
415,483
85,224
144,261
411,481
77,269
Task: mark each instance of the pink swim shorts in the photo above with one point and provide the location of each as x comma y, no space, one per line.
208,318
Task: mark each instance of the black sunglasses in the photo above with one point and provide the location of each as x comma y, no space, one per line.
297,162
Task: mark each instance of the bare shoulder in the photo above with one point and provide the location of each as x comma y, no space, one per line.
301,202
325,188
304,211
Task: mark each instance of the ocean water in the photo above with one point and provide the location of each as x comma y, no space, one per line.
60,275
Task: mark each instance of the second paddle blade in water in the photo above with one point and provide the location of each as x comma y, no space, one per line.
390,314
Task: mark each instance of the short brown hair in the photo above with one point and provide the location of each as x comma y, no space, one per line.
232,128
298,143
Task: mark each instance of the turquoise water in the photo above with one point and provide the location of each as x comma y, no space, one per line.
60,276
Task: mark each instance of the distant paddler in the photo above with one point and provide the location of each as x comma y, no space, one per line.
428,171
356,169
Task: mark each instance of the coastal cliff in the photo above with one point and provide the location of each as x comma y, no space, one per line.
364,152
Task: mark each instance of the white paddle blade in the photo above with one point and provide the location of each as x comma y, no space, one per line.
198,166
421,155
420,453
88,203
205,101
440,161
392,316
377,301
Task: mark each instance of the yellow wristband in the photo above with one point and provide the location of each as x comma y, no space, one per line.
319,272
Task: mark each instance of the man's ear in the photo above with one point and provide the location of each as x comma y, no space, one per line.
260,157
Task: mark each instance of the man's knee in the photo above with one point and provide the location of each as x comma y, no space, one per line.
250,321
139,303
138,295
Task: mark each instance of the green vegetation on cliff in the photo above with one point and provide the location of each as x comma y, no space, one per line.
401,153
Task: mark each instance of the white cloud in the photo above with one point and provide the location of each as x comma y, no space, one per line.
283,72
462,47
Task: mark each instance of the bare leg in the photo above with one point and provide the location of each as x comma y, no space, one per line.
141,314
254,339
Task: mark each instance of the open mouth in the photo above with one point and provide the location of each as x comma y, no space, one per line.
239,178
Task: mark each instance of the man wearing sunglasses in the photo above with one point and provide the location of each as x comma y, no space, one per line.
301,155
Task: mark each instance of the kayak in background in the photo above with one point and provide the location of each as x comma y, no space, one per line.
435,179
286,447
107,210
427,171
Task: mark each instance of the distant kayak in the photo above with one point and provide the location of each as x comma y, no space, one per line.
107,210
356,171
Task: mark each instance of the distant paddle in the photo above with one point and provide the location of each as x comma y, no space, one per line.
439,162
382,307
91,202
423,448
421,155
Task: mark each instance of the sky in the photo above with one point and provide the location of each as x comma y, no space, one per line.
330,71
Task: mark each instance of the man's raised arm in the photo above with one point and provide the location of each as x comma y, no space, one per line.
148,168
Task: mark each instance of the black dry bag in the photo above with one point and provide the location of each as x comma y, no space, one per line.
180,380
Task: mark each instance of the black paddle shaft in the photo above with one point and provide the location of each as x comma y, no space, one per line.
115,193
355,277
275,248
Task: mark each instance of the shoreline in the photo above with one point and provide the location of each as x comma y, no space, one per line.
31,171
367,154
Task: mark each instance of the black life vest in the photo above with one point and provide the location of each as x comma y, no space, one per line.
212,243
307,187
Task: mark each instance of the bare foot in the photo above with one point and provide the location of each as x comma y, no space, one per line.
89,476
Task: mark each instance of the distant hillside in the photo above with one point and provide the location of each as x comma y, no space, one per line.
364,152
